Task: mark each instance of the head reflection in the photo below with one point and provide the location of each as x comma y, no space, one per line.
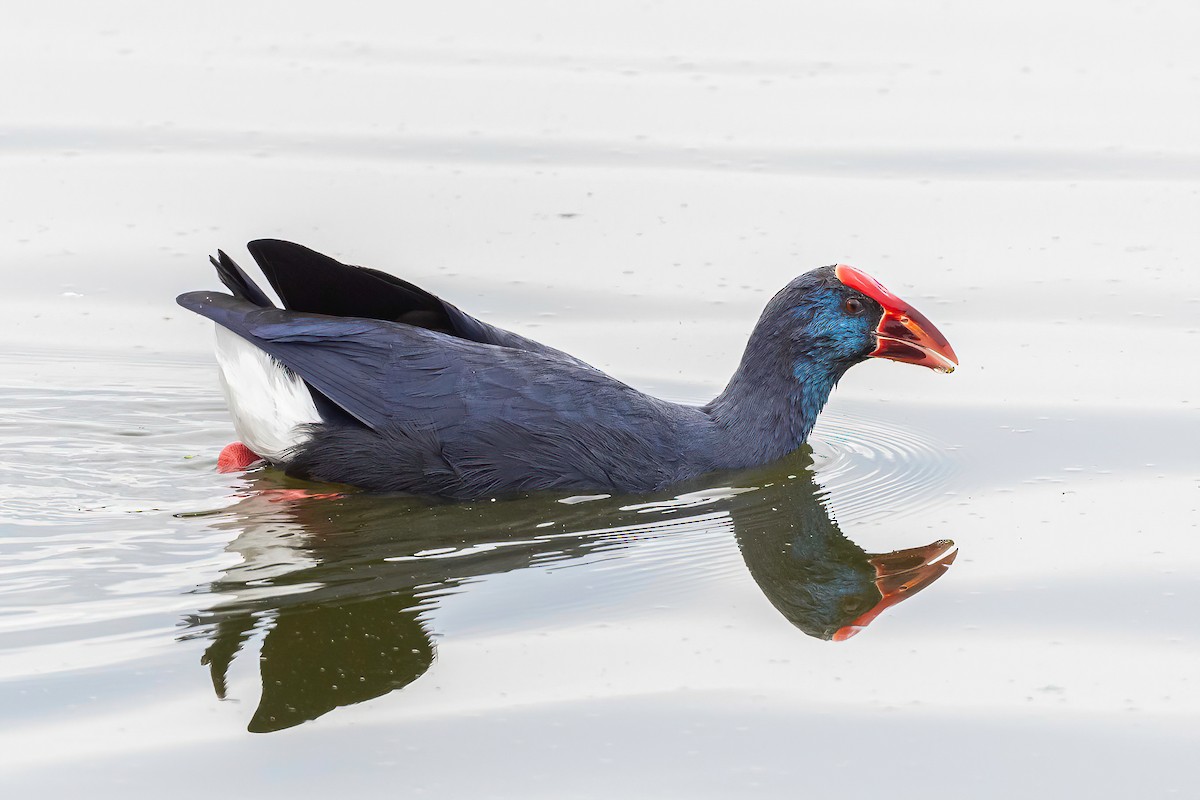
340,587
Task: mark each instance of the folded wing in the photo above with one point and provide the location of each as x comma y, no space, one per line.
482,414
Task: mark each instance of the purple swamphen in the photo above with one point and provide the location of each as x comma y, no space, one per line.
365,379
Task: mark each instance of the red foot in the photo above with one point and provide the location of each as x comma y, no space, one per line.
237,457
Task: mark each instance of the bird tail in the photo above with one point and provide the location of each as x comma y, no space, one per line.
271,406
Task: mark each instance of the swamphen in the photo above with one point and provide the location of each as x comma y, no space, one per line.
366,379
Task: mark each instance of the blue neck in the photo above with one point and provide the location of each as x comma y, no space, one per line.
814,383
770,405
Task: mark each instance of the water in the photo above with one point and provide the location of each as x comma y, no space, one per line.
632,189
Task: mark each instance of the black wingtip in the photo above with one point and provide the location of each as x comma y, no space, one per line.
266,245
270,253
238,282
307,280
302,277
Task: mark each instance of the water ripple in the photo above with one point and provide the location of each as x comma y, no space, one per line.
103,542
871,468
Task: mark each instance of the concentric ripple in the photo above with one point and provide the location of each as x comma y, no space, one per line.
870,468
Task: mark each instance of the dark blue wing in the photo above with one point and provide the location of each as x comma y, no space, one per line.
387,373
308,281
446,416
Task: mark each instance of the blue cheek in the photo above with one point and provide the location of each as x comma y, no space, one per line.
842,337
857,334
802,371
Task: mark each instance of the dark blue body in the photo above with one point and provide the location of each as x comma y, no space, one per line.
418,396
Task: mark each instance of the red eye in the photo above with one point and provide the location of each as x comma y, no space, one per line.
853,306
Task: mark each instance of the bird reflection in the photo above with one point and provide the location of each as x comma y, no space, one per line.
340,586
825,584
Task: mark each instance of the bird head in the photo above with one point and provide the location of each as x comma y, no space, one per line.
838,316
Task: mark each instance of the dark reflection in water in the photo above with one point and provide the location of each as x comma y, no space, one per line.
343,583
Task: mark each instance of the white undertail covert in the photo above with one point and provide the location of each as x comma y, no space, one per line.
268,402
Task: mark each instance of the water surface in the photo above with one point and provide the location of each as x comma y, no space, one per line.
168,629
